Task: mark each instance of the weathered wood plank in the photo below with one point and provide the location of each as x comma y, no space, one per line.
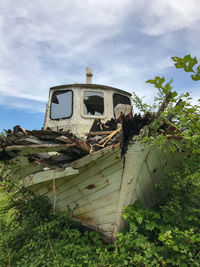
105,228
99,133
143,168
44,176
33,149
93,221
101,202
92,183
145,190
157,163
99,212
48,187
74,200
133,161
87,196
103,153
110,157
88,171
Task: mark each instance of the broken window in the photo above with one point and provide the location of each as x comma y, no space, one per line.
120,99
61,104
93,103
121,105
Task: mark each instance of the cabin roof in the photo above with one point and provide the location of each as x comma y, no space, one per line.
92,86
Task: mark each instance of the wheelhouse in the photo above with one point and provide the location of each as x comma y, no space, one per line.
75,106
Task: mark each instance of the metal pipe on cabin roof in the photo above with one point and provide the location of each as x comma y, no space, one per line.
89,75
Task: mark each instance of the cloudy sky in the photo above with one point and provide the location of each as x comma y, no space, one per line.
50,42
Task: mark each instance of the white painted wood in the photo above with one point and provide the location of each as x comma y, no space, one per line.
92,222
99,212
106,178
31,149
102,201
103,183
88,171
133,161
85,196
97,179
103,153
143,168
145,188
45,176
79,123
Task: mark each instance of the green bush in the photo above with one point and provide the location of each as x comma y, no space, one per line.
32,234
2,135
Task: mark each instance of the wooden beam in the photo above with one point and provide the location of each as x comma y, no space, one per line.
44,176
163,105
24,149
99,133
95,155
107,138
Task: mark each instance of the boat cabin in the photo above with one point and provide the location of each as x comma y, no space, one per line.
75,106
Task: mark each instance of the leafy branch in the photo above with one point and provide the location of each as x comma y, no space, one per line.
174,112
188,63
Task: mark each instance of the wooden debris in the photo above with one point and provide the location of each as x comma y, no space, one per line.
107,138
33,143
164,104
37,145
91,149
99,133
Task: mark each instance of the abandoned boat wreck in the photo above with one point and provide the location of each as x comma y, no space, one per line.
87,157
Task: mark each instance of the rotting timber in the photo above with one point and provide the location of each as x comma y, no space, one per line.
95,174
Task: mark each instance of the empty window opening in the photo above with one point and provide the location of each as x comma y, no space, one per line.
120,99
121,104
61,104
93,103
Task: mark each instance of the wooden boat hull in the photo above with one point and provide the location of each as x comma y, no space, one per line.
97,187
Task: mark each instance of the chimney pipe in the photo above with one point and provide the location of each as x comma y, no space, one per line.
88,75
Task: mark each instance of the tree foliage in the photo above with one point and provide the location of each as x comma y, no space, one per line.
181,114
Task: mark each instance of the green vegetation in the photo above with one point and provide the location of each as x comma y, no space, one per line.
31,234
2,135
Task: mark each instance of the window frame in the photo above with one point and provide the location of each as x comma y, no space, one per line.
63,118
82,105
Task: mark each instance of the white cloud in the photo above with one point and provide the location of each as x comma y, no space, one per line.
165,16
46,44
62,31
22,104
